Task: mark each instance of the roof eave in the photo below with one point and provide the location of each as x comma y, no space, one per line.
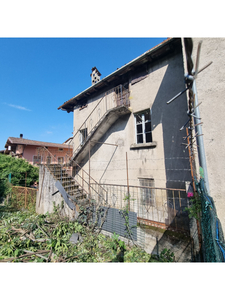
128,65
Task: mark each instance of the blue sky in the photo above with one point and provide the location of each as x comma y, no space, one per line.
37,75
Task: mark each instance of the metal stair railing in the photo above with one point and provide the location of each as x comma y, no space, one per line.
62,174
116,97
100,193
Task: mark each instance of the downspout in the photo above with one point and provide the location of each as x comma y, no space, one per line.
201,148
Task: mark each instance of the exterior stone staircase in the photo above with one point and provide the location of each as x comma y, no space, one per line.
71,188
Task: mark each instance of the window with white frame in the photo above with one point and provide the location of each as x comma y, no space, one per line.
36,159
143,127
147,191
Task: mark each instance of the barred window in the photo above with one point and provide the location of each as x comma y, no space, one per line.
147,191
36,159
48,159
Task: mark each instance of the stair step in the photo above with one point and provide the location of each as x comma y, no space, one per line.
77,193
70,186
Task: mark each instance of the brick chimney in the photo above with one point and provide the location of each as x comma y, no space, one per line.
95,75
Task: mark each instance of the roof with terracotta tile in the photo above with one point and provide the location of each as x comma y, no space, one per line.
22,141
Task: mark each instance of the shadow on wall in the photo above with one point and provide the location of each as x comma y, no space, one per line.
172,117
118,126
178,242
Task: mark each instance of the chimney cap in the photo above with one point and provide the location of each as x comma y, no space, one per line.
97,71
21,135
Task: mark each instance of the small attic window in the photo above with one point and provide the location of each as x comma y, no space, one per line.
60,149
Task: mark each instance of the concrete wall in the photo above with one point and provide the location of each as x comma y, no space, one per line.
45,200
210,86
156,240
167,162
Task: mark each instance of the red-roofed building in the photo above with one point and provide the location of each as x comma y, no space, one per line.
36,152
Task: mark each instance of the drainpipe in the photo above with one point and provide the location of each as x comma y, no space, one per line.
201,149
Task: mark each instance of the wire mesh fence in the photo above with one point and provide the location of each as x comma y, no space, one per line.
23,197
19,190
212,233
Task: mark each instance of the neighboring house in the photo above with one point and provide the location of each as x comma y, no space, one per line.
69,141
36,152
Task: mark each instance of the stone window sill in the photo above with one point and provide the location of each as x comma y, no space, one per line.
143,146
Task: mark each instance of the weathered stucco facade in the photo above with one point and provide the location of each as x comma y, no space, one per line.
163,159
210,86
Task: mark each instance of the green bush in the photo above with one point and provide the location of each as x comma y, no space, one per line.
18,169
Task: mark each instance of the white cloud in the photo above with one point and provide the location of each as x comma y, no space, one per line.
18,107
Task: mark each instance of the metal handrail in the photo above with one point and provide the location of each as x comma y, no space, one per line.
122,103
89,176
149,187
63,168
88,184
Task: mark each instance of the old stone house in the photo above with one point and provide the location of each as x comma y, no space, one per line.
128,143
126,135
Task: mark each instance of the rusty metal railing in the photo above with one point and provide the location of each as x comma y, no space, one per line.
158,207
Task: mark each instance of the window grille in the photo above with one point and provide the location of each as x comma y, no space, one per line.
48,159
60,160
36,159
148,192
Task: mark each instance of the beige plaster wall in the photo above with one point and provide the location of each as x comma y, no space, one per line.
210,86
168,162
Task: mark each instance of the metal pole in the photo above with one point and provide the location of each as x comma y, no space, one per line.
128,190
89,170
25,190
191,161
201,149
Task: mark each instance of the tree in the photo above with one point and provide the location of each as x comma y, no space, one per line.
16,170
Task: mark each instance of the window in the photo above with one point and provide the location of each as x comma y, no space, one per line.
48,159
60,160
83,135
36,159
143,127
60,149
147,194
